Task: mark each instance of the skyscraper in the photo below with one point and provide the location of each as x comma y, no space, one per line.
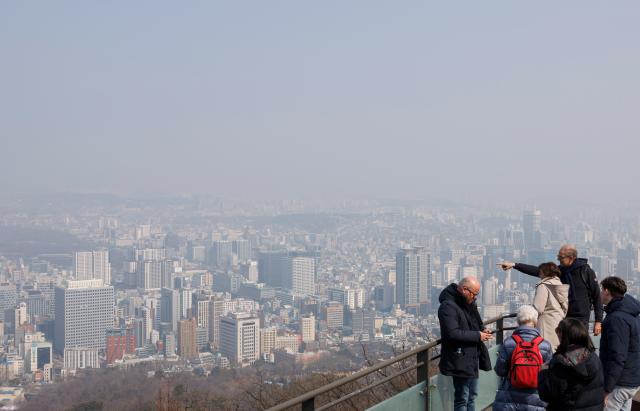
242,249
301,274
84,312
170,307
216,311
532,226
221,254
308,328
413,266
240,338
89,265
187,347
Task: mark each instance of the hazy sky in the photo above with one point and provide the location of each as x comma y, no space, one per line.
328,98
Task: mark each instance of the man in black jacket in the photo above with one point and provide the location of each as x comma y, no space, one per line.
620,345
584,293
463,334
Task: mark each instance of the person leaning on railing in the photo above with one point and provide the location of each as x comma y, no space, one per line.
463,336
584,292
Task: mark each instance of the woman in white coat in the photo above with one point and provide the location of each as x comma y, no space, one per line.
551,301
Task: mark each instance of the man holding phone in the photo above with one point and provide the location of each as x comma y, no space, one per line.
463,335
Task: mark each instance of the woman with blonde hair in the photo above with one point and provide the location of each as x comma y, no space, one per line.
551,301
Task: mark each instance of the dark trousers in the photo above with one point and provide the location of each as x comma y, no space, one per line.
465,393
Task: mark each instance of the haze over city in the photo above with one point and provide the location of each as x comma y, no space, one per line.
228,205
290,100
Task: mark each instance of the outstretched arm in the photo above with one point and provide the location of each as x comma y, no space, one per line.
527,269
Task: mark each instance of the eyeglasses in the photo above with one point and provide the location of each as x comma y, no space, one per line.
472,293
562,257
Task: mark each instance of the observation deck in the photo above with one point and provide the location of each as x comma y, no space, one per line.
431,391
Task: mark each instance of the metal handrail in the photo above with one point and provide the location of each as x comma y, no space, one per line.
308,400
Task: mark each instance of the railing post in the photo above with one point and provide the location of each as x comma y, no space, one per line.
500,331
423,373
309,405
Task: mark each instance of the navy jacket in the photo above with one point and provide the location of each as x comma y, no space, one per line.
573,381
584,291
508,397
620,343
460,326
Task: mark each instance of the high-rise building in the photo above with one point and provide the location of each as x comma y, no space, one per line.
242,249
84,312
240,338
187,339
302,275
118,343
273,268
39,354
202,306
221,254
150,274
186,302
308,328
413,266
334,315
532,227
490,291
170,307
8,297
92,265
268,339
601,266
217,309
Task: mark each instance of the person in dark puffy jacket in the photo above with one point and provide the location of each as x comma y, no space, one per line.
510,398
620,344
574,379
463,333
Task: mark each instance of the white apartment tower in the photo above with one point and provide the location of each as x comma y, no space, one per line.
413,267
303,275
308,328
240,338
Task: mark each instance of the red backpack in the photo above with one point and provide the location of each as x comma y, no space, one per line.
526,361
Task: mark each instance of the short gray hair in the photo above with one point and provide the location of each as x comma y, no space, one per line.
527,313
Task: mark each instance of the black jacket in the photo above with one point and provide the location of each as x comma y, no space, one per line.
460,326
573,381
584,291
620,343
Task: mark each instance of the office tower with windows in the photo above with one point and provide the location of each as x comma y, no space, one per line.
170,307
92,265
221,254
301,275
187,339
532,227
242,250
413,266
308,328
240,338
84,312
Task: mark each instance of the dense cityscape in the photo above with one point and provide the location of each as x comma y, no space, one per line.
199,285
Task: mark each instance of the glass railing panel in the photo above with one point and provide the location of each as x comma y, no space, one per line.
441,393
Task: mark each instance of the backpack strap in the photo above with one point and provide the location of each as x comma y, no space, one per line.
516,338
536,341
